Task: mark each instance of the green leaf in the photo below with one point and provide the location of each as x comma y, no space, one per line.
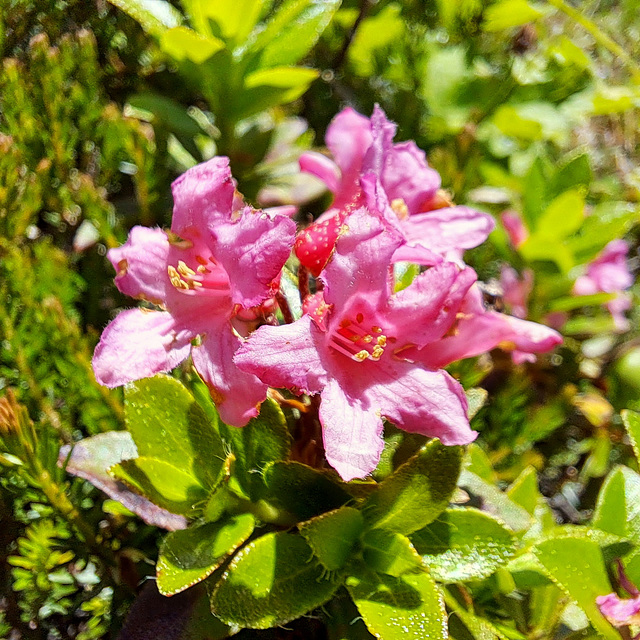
159,109
577,567
265,439
618,507
534,193
332,535
231,20
562,217
512,514
576,302
389,552
524,490
476,398
182,43
477,461
167,424
506,14
511,123
292,32
164,484
417,492
301,490
575,173
271,581
154,16
464,544
91,460
407,608
631,421
189,556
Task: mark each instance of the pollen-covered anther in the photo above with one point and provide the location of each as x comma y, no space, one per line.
377,352
400,208
185,270
367,339
382,341
175,278
361,356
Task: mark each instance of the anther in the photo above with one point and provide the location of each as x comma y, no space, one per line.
361,355
185,270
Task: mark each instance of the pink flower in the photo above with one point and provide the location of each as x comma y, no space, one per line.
361,146
350,349
621,612
609,273
216,262
514,226
516,290
478,330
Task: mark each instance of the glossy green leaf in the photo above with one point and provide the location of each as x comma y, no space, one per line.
301,490
292,32
167,424
618,507
333,535
166,485
524,490
271,581
509,13
477,461
563,216
388,552
263,440
182,43
417,492
464,544
154,16
577,567
631,421
189,556
496,501
231,20
407,608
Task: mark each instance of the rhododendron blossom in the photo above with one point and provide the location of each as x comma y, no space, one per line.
350,349
216,262
609,273
361,146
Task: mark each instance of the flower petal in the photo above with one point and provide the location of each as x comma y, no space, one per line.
237,394
202,196
322,167
617,610
285,356
424,311
442,230
141,264
253,250
431,403
138,344
351,433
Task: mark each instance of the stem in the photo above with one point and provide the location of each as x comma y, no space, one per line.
303,282
283,303
342,54
599,36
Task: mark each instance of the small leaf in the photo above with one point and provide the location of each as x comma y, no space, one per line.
271,581
182,43
91,459
265,439
388,552
301,490
562,217
406,608
417,492
631,421
577,567
231,20
332,535
154,16
189,556
464,544
618,506
167,424
506,14
164,484
524,490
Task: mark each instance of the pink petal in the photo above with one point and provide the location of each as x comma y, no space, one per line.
515,228
237,394
360,262
351,432
431,403
141,265
285,356
253,250
138,344
424,311
202,196
322,167
453,228
617,610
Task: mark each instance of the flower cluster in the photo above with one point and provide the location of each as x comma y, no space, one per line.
372,353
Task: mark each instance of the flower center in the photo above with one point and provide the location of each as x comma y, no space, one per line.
354,340
208,278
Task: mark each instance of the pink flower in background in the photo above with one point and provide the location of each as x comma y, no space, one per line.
621,612
514,226
609,273
478,330
216,261
364,147
350,349
516,290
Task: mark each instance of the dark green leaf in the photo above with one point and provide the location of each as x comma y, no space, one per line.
273,580
417,492
154,16
631,421
189,556
464,544
406,608
332,535
388,552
